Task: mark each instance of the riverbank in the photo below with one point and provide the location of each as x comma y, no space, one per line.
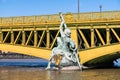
15,56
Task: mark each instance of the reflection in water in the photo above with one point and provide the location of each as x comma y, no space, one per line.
64,75
20,73
32,70
10,73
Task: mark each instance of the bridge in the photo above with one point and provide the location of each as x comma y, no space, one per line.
97,35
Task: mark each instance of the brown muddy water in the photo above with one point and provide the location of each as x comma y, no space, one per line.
20,73
39,73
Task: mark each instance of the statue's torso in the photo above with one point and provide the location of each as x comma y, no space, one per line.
66,41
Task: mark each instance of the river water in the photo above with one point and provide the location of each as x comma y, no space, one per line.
34,69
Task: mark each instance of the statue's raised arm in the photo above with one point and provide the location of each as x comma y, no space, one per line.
61,16
64,30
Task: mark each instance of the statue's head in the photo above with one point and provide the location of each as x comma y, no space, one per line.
67,32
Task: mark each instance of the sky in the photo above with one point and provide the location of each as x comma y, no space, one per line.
10,8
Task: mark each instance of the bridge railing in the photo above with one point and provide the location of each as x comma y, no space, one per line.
54,19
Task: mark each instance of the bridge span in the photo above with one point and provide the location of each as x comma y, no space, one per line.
97,35
88,56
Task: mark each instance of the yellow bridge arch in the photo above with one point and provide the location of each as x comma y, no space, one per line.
85,55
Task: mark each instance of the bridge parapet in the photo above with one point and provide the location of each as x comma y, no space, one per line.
54,19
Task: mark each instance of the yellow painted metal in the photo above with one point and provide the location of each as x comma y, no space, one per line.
6,37
38,52
35,38
100,36
23,37
54,40
18,36
83,37
74,36
48,39
85,55
115,34
93,53
92,38
106,16
108,36
12,37
41,38
29,37
1,36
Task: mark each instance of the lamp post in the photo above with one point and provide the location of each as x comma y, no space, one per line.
100,11
100,8
78,9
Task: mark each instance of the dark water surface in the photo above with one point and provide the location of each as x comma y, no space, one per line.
32,70
24,62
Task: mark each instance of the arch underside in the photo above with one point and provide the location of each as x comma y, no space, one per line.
103,54
103,61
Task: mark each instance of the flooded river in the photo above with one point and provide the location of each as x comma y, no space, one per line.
37,72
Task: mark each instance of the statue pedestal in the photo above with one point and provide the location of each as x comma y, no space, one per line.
69,68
